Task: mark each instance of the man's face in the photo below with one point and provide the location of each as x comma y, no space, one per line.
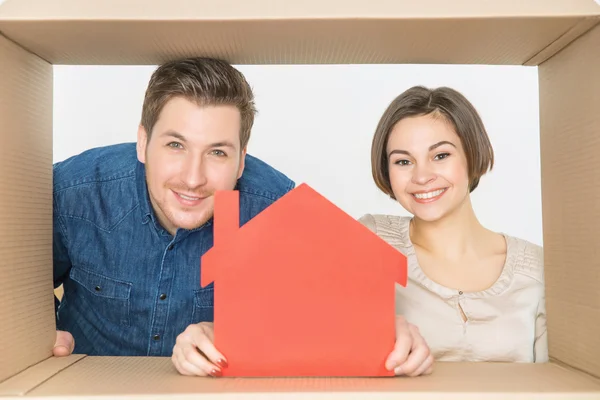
193,152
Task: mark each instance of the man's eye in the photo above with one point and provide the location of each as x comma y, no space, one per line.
175,145
219,153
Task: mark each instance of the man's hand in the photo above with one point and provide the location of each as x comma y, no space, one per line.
64,344
195,354
411,355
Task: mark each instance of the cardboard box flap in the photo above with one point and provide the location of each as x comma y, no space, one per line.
570,142
34,376
27,10
26,302
317,32
121,376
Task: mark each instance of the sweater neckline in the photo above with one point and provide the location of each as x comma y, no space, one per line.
498,287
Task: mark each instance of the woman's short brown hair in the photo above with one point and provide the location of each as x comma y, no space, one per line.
204,81
447,103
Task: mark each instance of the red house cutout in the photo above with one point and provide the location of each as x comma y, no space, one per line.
302,289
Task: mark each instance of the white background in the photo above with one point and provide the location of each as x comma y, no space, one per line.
315,124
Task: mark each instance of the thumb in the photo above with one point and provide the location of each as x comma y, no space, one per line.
403,345
64,344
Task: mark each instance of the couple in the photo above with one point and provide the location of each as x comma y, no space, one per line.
131,222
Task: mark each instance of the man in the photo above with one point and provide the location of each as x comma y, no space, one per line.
131,222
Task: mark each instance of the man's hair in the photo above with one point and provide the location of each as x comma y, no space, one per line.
442,102
204,81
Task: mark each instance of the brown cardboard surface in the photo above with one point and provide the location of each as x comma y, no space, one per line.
570,142
131,376
268,9
30,378
382,31
26,302
314,31
572,34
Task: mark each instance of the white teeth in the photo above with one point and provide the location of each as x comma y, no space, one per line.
429,195
187,197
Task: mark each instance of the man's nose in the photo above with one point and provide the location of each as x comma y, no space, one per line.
194,174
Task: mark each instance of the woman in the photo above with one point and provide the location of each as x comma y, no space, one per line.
475,295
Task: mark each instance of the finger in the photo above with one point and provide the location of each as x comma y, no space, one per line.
191,355
191,369
188,361
179,367
418,355
64,344
426,366
204,342
402,346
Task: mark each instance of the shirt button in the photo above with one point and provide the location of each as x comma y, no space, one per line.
97,288
171,246
156,337
163,296
460,292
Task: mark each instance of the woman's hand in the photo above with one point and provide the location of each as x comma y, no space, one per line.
411,355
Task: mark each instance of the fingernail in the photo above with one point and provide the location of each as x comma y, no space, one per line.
222,363
216,372
398,371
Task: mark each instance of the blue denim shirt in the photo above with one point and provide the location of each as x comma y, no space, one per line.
130,288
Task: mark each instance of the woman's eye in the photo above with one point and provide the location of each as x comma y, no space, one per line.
402,162
442,156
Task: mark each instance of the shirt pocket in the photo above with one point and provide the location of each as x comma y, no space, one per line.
203,305
108,297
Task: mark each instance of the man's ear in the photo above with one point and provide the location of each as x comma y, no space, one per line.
242,162
142,143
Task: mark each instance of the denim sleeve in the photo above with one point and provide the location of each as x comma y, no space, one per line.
61,261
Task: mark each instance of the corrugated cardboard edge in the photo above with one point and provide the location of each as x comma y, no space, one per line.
26,301
569,85
339,396
563,41
36,375
44,10
565,366
155,377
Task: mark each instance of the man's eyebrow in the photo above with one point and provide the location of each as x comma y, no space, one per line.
223,144
174,134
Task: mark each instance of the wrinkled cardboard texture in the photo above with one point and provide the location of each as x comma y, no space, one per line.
382,31
318,289
26,303
311,32
570,143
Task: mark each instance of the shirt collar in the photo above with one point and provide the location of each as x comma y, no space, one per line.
142,192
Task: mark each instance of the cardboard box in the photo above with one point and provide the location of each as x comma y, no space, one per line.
562,37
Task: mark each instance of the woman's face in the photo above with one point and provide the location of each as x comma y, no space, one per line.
428,167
